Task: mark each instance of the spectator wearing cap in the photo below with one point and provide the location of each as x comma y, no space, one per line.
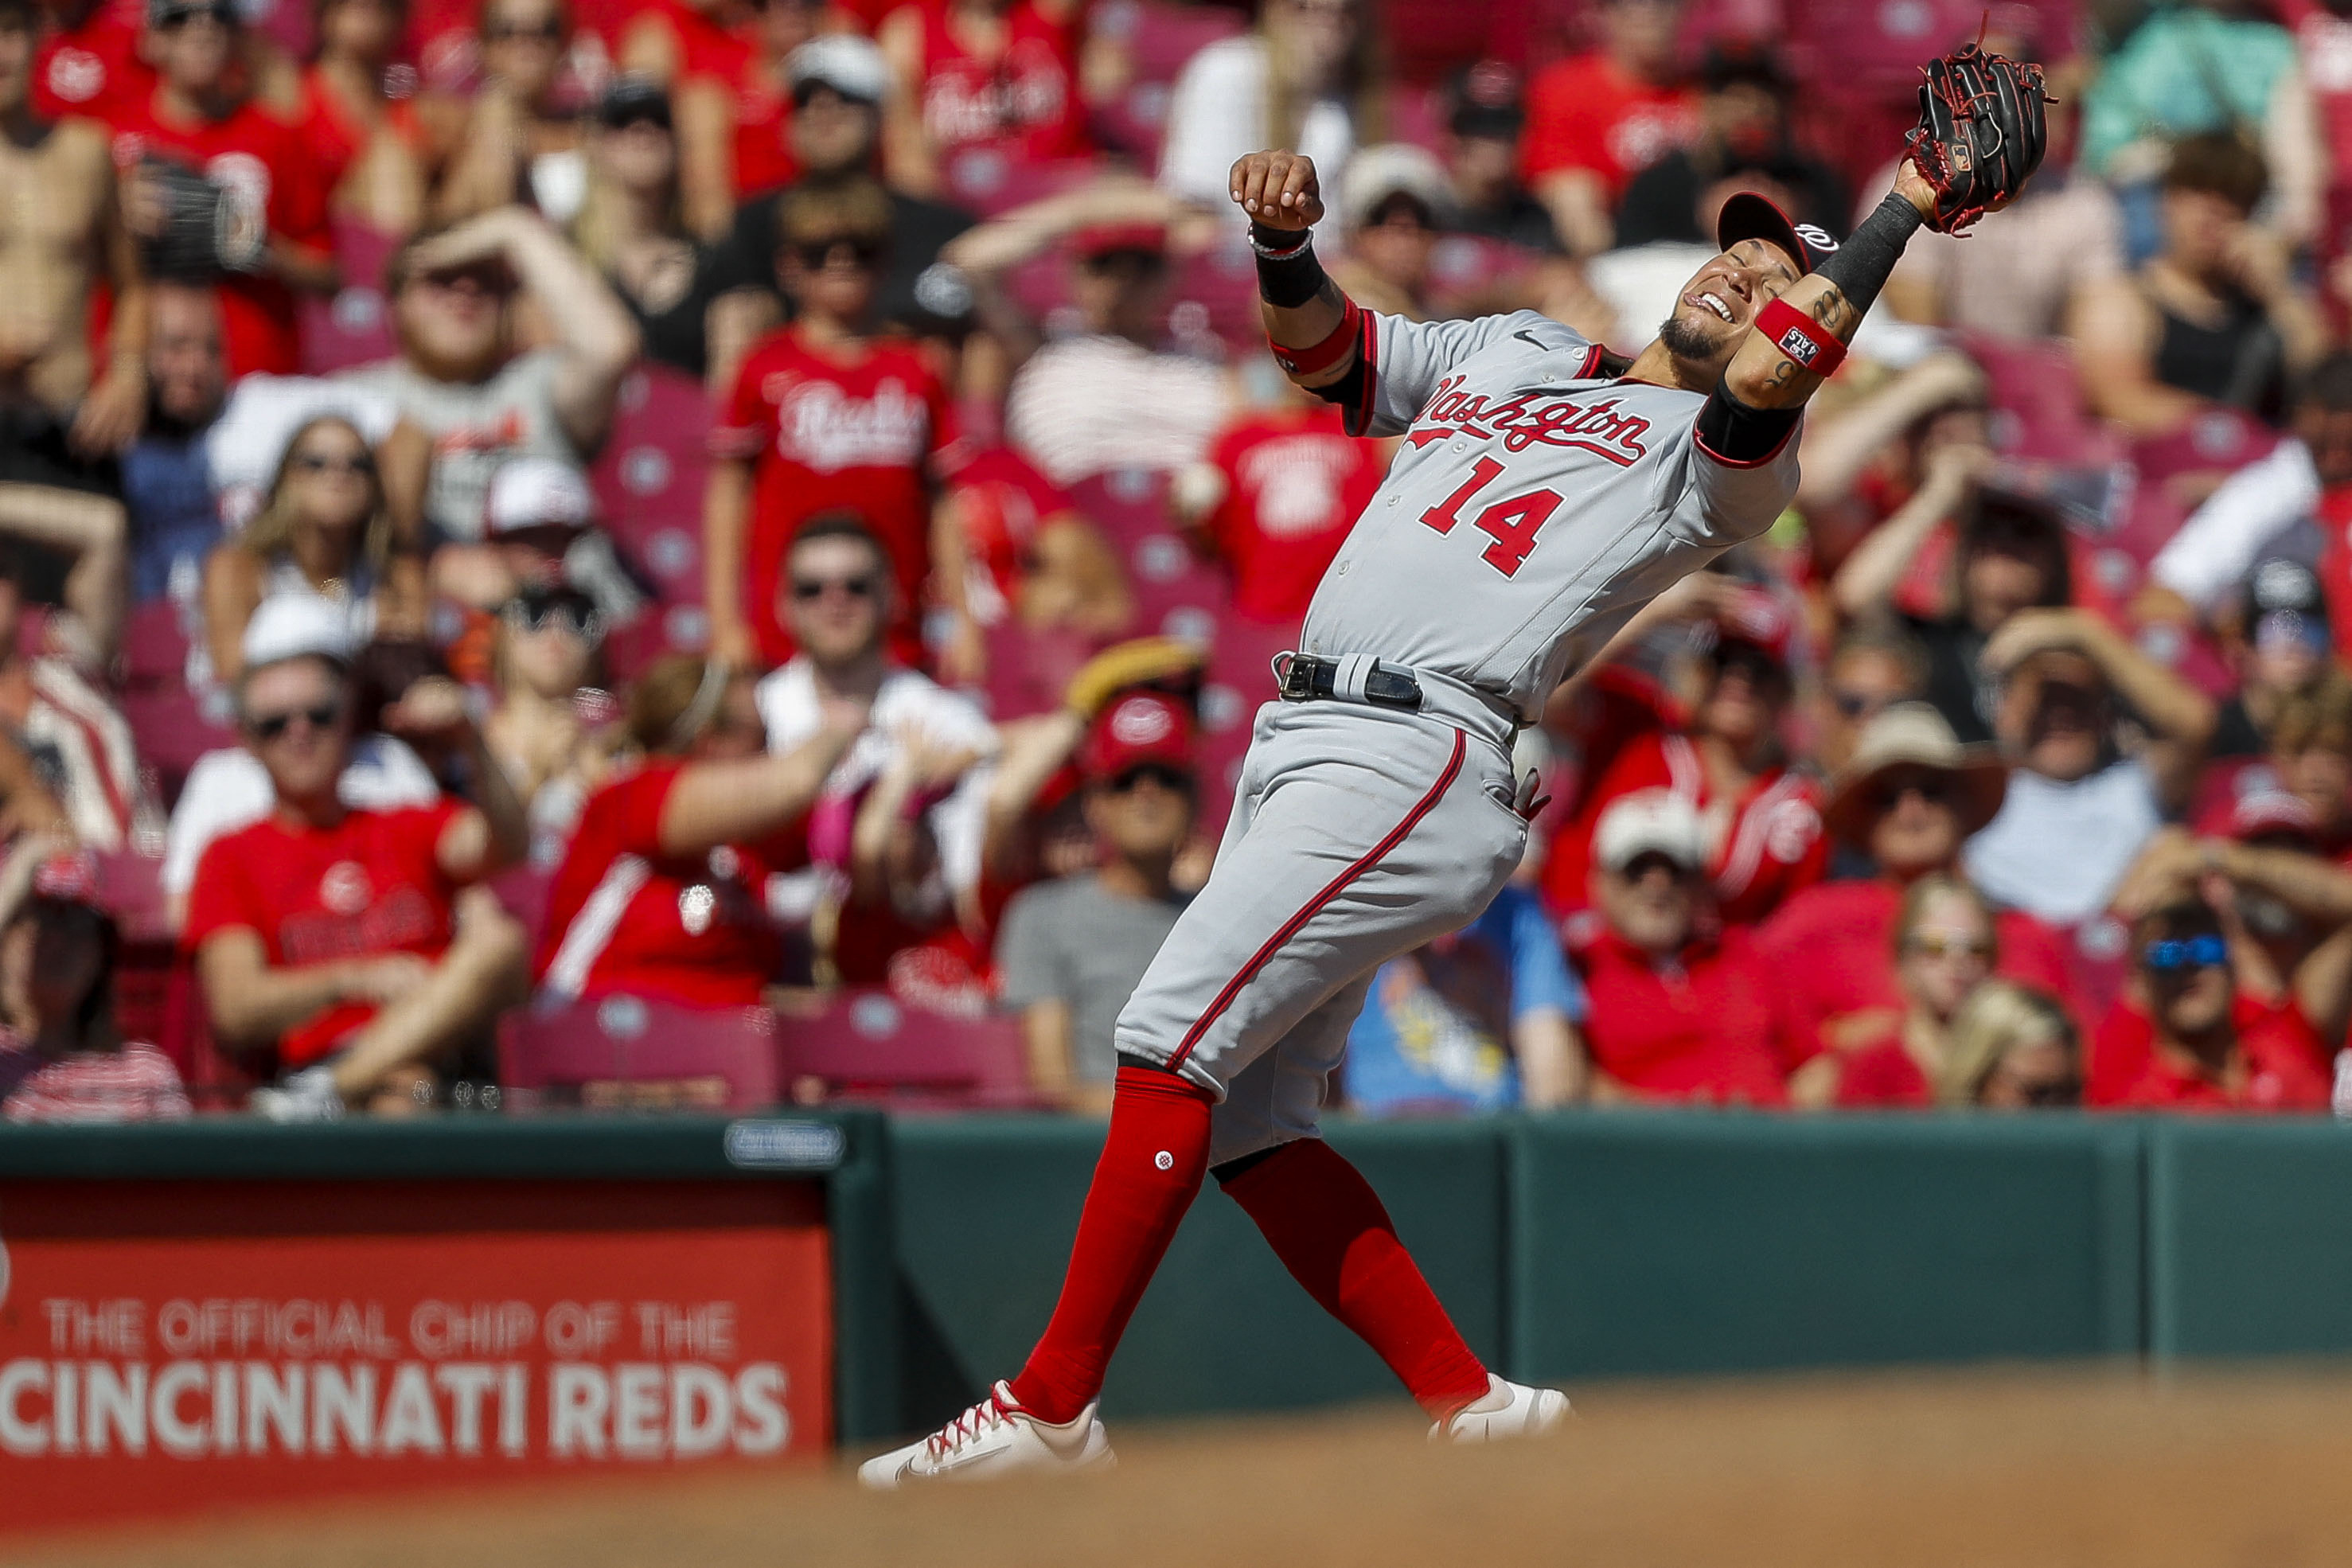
354,944
2279,643
1481,1019
463,379
1308,76
2215,317
2291,504
73,738
1072,950
1485,116
167,482
1109,393
1903,802
1021,554
373,147
2079,809
231,789
62,1056
270,221
1677,1011
632,225
2187,1036
1598,118
878,877
993,82
323,531
826,415
517,139
1762,820
837,83
664,890
1743,143
2009,557
541,529
1874,665
1393,203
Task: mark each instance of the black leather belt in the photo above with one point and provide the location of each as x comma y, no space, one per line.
1306,676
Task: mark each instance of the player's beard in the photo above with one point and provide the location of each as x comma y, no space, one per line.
1687,340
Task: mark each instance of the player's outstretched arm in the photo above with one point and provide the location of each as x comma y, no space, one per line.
1315,328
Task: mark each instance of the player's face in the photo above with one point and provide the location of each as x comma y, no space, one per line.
295,719
1721,301
835,596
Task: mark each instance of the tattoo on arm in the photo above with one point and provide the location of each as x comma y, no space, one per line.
1833,311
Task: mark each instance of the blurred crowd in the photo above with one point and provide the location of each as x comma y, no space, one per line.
779,514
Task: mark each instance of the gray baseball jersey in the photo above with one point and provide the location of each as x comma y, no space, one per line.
1535,505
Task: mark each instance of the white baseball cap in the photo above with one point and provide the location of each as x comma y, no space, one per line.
849,65
1393,168
538,492
1650,821
296,626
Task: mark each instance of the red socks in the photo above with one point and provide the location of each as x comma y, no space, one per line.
1151,1168
1328,1227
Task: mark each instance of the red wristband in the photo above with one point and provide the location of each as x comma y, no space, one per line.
1799,337
1327,354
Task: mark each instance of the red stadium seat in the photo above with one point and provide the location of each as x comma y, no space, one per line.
172,732
867,1044
649,480
2037,398
632,1050
353,327
1157,39
154,646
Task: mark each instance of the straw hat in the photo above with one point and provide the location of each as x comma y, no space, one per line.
1913,735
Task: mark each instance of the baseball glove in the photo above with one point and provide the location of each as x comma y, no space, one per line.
1980,134
208,231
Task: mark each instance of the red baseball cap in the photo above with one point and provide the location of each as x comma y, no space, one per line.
1141,727
1759,620
70,877
2273,813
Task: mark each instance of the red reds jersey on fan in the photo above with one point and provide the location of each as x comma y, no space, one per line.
266,167
1585,113
623,916
93,69
370,884
1294,484
828,435
1707,1025
1026,102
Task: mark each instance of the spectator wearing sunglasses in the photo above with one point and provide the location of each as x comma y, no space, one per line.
1945,947
354,948
2200,1041
540,531
1761,818
824,415
881,880
2279,644
230,789
1679,1009
459,377
323,531
520,138
549,722
263,194
666,889
631,227
1903,804
1072,950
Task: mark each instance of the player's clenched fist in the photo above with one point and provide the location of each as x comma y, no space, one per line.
1279,189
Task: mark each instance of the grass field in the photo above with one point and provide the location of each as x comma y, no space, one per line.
2001,1469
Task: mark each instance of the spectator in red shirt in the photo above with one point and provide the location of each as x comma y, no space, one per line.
271,229
983,85
1598,119
364,131
88,65
353,940
1676,1013
665,891
1906,799
734,117
1026,555
518,140
2209,1047
1763,819
62,1056
1944,948
824,416
1275,499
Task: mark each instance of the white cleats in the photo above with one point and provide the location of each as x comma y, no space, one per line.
1508,1410
993,1437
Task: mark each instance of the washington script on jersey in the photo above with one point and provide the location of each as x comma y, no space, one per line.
824,428
1526,417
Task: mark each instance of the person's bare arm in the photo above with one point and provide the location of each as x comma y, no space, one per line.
252,1002
232,591
115,408
1079,583
1836,451
2260,261
495,831
2322,984
484,166
1875,568
726,526
963,660
93,531
403,464
908,160
731,326
706,157
1551,1058
2180,717
1048,1030
1030,751
1578,200
739,802
2114,336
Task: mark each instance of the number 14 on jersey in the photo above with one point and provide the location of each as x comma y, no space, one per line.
1511,524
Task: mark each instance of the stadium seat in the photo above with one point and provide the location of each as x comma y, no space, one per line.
354,326
172,732
1158,38
635,1051
648,480
865,1045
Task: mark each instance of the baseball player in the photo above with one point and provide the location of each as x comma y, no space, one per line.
1545,491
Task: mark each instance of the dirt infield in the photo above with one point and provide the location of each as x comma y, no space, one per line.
2001,1469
